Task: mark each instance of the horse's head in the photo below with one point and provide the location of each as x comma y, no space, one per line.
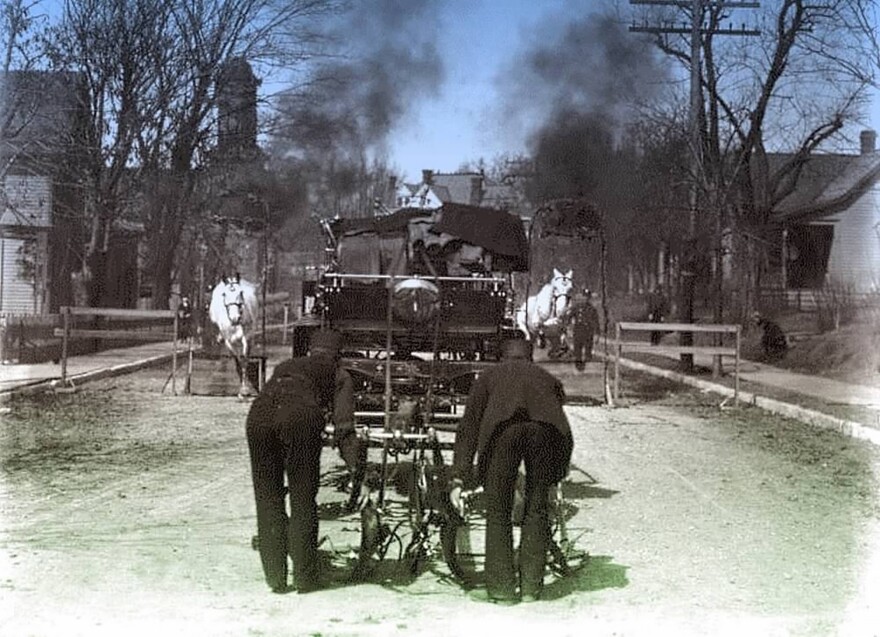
561,284
233,300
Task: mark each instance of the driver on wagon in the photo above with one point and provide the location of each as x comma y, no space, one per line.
284,434
513,414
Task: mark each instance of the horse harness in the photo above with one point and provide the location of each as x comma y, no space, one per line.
555,297
237,301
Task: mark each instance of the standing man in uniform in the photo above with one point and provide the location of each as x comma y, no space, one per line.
585,324
284,433
513,414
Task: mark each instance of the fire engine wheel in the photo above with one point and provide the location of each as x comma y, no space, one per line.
455,541
459,536
377,537
458,540
424,494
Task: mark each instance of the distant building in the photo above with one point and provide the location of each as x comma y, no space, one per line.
468,188
44,118
236,89
829,226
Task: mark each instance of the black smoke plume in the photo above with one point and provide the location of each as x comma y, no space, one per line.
574,89
385,59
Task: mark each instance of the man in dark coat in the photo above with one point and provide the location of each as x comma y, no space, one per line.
585,324
658,309
185,319
513,414
774,343
284,433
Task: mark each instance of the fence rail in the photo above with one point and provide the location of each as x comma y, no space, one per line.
67,331
814,299
641,346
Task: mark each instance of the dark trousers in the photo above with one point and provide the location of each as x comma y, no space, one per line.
283,439
656,336
538,446
583,345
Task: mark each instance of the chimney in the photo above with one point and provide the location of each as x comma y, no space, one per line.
391,193
868,139
476,191
427,177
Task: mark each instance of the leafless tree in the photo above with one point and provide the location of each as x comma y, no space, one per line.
151,67
21,45
867,20
793,89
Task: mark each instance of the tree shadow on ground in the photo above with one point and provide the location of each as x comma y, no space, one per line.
596,573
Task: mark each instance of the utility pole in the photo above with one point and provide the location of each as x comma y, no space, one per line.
696,31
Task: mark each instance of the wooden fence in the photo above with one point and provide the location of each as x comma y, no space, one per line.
68,331
664,349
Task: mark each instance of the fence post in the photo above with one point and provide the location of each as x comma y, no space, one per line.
174,359
617,352
3,330
187,389
286,317
65,315
736,367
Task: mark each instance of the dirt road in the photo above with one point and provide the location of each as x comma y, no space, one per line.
127,512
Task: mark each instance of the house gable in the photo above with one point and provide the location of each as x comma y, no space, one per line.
828,185
461,188
27,201
838,196
854,259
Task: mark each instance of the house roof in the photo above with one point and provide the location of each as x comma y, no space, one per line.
827,185
442,193
499,196
42,108
458,186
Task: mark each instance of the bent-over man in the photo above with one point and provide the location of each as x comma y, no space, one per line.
774,343
513,414
284,433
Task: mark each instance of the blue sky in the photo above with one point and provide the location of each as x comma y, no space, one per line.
476,39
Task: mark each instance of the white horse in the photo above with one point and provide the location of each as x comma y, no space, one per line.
548,308
234,311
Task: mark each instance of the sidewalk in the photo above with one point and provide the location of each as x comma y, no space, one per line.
831,392
17,378
27,378
850,409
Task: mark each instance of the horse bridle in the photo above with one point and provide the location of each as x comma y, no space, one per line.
239,303
566,295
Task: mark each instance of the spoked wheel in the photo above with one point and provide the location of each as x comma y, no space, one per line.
563,557
371,538
459,539
455,541
426,498
377,536
416,551
459,536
